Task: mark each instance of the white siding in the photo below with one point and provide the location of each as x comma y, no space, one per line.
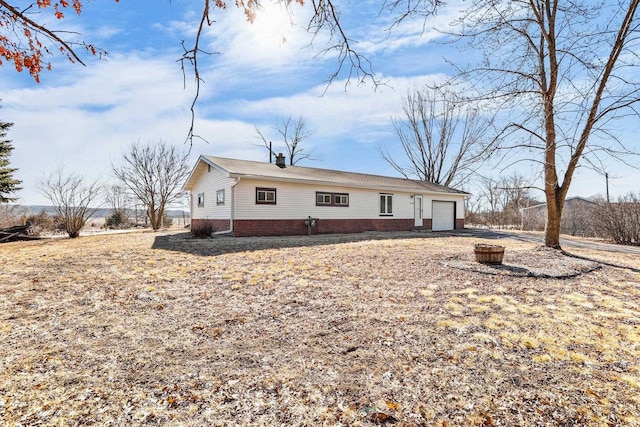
295,201
209,181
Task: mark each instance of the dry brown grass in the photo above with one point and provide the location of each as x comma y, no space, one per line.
161,329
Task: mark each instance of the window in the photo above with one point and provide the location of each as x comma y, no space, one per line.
341,199
331,199
200,200
220,197
386,204
266,196
323,199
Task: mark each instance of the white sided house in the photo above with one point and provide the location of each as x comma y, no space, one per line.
248,198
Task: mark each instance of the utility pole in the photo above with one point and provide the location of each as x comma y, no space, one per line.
606,177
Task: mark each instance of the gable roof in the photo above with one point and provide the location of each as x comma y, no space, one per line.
235,168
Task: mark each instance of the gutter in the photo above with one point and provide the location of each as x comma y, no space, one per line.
230,230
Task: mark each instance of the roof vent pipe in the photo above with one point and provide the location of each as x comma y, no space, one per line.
281,162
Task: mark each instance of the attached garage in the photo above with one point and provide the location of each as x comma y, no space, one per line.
443,216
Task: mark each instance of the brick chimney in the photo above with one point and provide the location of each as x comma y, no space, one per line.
281,162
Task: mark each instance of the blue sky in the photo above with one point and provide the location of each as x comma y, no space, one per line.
86,117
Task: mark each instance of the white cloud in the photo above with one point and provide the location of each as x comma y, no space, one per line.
347,126
89,121
378,32
107,31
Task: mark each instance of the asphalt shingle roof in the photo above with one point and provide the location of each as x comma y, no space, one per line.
262,170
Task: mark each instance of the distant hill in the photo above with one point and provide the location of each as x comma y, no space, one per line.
100,213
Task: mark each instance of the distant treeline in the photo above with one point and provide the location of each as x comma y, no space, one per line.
100,213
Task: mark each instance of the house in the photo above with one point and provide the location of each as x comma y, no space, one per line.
248,198
575,221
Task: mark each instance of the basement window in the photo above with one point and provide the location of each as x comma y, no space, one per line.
265,196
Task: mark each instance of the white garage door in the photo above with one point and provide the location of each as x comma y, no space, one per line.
443,217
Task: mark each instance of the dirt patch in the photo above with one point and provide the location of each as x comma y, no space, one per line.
161,329
539,262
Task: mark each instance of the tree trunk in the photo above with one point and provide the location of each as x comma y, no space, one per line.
153,216
155,223
552,225
157,218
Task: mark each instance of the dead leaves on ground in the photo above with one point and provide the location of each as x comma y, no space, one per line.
353,332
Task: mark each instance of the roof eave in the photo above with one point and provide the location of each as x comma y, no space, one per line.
348,185
188,185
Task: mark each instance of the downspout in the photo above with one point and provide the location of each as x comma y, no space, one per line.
230,230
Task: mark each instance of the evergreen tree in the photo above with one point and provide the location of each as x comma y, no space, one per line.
8,184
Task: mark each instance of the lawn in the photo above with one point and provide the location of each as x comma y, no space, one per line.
370,329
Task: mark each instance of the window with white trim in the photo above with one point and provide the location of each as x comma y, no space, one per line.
220,197
386,204
341,199
265,196
200,200
323,199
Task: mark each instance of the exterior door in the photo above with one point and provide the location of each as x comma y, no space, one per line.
444,216
417,211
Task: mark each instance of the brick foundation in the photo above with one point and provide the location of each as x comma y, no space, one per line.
323,226
426,225
268,227
295,227
360,225
206,226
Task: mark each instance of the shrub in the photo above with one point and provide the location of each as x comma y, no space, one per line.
620,220
202,231
117,219
41,222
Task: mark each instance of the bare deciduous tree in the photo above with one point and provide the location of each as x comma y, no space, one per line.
72,197
293,133
513,195
565,71
154,173
442,137
11,215
501,200
117,197
490,200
